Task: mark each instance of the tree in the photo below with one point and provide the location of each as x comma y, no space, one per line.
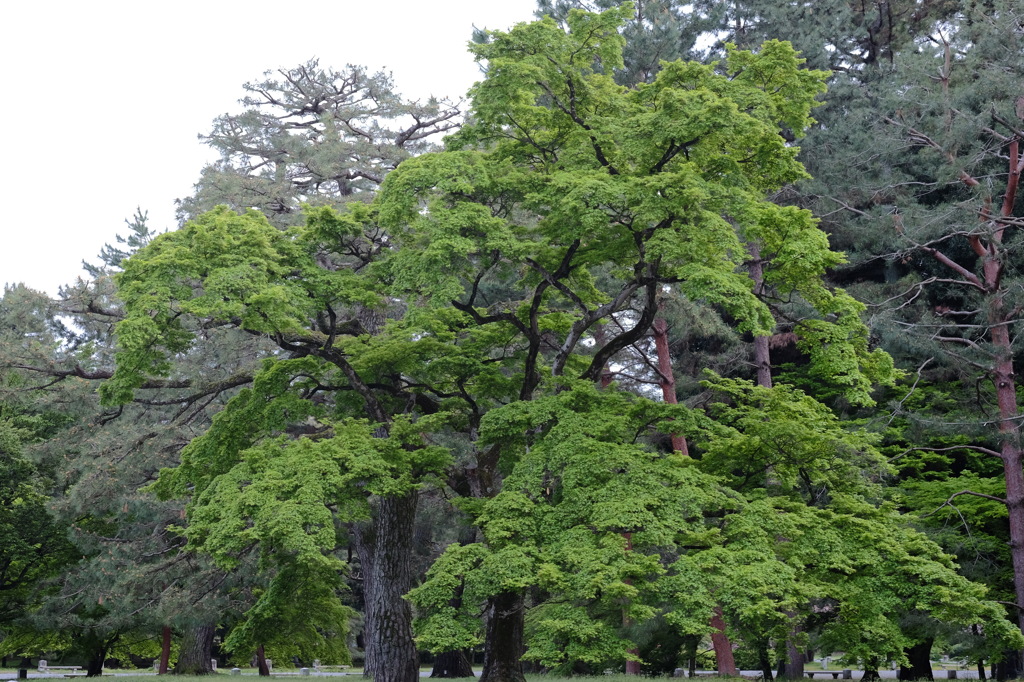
313,135
940,126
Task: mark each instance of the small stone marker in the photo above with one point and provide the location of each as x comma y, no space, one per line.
847,674
270,664
42,664
213,664
236,671
303,671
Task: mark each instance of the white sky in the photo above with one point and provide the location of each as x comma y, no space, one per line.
102,101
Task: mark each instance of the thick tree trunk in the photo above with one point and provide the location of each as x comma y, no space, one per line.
504,642
97,648
196,651
794,658
1007,668
452,664
387,575
261,662
723,647
94,666
920,658
165,650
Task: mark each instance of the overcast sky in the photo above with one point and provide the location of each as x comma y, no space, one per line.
102,101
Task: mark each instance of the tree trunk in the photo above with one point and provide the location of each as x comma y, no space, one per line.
692,643
920,658
196,651
452,664
387,575
981,669
504,642
723,647
165,650
993,257
794,658
94,667
762,353
666,378
764,661
261,662
1007,669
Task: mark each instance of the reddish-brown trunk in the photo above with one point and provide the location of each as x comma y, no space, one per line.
1009,429
165,650
993,264
722,645
666,378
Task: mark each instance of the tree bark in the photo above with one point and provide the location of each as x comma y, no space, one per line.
1009,667
762,353
261,662
920,658
196,651
764,661
504,642
723,647
794,656
386,555
165,650
993,258
666,378
452,664
94,667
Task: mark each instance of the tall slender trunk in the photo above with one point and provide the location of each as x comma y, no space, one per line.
722,645
764,661
165,650
385,551
666,378
504,642
196,651
762,353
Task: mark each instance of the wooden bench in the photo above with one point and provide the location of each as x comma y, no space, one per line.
833,673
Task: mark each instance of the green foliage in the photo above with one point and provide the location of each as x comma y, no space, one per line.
33,545
299,614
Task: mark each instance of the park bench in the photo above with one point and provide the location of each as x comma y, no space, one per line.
45,667
320,667
834,673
